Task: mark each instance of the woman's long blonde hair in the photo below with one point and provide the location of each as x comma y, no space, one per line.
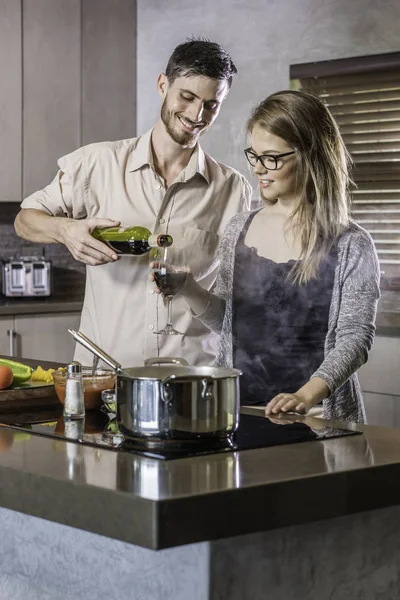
322,174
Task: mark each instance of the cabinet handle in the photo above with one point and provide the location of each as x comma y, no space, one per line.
11,333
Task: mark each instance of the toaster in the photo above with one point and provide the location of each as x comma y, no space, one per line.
26,276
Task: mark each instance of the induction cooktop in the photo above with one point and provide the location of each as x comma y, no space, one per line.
98,431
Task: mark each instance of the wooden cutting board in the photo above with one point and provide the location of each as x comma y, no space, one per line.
32,394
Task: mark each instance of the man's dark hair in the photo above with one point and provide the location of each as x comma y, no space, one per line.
200,57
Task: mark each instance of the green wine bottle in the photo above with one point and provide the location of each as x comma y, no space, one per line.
131,240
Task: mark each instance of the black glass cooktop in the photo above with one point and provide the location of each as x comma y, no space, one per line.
97,430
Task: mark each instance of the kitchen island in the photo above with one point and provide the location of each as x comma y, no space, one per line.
308,520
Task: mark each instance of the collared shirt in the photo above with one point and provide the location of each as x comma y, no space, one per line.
117,180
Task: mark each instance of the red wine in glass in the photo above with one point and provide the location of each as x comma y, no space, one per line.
169,283
170,273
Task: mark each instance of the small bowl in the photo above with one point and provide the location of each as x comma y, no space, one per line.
93,385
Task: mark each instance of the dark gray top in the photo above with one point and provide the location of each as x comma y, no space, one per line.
279,329
351,326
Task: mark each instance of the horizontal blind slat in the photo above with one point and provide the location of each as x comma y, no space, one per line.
375,146
370,127
384,231
360,95
359,108
371,136
362,79
379,204
377,198
373,158
372,118
384,178
390,243
349,88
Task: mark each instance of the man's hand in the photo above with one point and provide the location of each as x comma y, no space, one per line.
76,236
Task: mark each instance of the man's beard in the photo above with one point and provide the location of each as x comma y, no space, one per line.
183,138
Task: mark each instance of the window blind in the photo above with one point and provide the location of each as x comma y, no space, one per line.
366,106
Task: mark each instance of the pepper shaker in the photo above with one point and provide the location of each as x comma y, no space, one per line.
74,405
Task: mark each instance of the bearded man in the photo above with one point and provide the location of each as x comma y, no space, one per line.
162,180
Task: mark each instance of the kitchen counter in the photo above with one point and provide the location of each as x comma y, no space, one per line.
54,304
184,501
231,523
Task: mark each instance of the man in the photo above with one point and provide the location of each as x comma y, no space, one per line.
163,181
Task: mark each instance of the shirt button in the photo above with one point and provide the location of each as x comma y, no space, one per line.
162,221
158,186
151,327
151,291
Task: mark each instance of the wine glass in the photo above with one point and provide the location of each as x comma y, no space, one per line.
170,272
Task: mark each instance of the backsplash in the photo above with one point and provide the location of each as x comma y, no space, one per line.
12,245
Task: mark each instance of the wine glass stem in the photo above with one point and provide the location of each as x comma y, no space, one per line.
169,317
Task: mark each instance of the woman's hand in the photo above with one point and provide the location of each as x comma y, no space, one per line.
301,401
196,296
166,268
287,403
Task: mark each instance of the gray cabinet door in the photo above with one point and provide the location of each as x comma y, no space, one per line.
108,70
52,87
6,326
381,373
10,101
46,337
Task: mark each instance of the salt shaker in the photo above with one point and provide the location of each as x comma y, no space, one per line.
74,405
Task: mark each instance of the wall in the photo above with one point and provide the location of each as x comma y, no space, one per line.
264,37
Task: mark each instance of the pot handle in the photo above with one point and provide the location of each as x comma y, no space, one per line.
164,360
89,345
206,383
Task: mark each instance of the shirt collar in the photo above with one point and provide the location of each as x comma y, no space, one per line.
142,155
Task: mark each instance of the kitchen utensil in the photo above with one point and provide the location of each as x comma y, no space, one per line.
165,400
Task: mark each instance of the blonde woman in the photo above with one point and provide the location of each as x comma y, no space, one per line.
298,284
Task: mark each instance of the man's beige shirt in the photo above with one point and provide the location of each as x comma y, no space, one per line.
117,180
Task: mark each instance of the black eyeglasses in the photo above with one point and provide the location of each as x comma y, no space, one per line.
272,162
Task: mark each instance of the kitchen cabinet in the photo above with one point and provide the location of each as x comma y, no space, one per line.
10,101
6,328
42,337
382,410
381,373
51,83
380,382
67,63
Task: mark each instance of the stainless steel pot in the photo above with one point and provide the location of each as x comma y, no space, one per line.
173,401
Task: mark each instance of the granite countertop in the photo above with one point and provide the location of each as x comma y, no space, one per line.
159,504
28,306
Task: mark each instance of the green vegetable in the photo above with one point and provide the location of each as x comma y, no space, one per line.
19,436
112,426
21,372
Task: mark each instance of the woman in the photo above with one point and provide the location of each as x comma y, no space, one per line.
298,284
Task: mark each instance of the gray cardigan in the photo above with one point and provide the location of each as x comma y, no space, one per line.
352,313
